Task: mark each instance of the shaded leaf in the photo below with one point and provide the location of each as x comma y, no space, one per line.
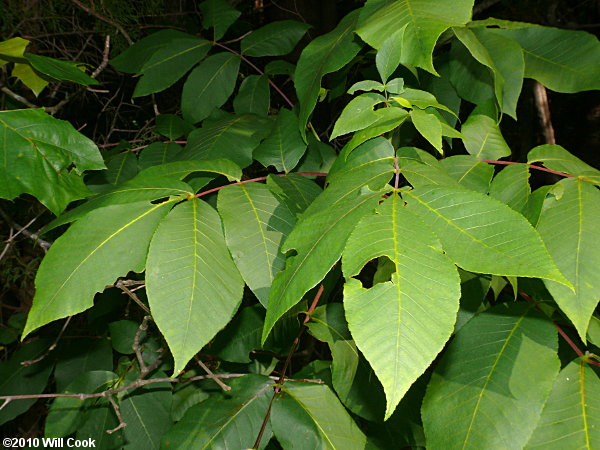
157,153
80,356
256,222
253,96
192,284
297,191
557,158
181,169
274,39
491,384
219,15
60,70
366,85
172,126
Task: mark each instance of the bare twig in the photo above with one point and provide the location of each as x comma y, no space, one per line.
543,107
41,242
121,285
212,375
117,410
52,347
104,19
104,62
137,347
17,97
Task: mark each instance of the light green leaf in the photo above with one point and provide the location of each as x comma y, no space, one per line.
297,191
389,55
253,96
172,126
60,70
481,234
36,152
29,78
234,138
65,413
366,85
218,14
570,228
570,418
193,286
358,114
158,153
395,86
429,126
147,413
511,186
562,60
593,333
469,171
181,169
421,99
285,146
504,57
274,39
310,416
18,379
230,420
425,21
170,62
256,222
353,379
482,137
422,169
388,119
105,244
557,158
400,326
209,86
323,55
12,48
320,234
491,384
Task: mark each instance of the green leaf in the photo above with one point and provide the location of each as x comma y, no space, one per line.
285,146
130,192
146,412
172,126
121,168
230,420
570,418
60,70
325,54
511,186
320,234
192,284
535,204
353,378
469,171
80,356
66,413
17,379
366,85
425,21
296,191
557,158
504,57
562,60
209,85
181,169
472,80
429,126
491,385
253,96
105,244
97,420
593,333
233,138
481,234
157,153
256,222
358,114
29,78
482,137
122,335
240,337
274,39
170,62
37,151
399,325
389,54
218,14
310,416
13,48
569,227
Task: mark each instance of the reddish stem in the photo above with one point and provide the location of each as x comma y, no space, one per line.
251,64
543,169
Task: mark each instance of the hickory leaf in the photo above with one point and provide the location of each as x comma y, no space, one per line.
193,286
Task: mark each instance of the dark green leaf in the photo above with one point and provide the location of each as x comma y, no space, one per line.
172,126
219,15
253,96
60,70
274,39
